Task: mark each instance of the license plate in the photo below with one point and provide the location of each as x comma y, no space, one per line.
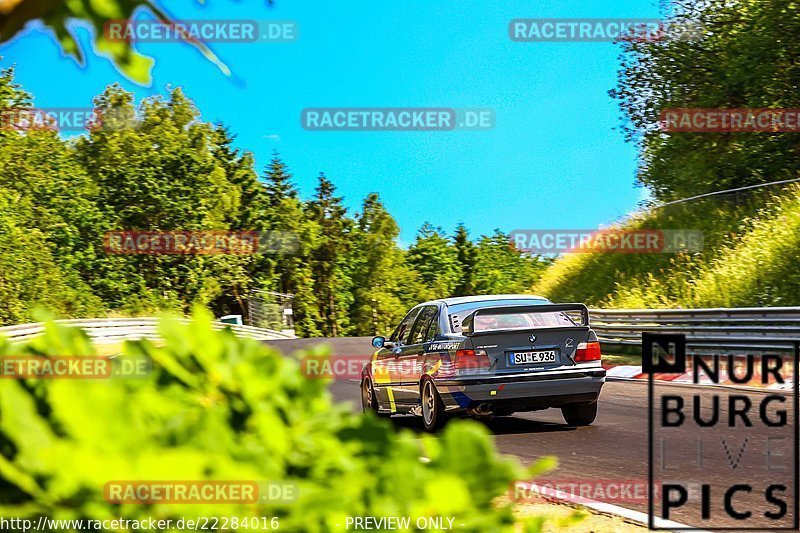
526,358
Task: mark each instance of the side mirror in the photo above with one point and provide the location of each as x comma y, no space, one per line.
381,342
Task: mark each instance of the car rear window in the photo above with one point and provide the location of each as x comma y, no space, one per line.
501,321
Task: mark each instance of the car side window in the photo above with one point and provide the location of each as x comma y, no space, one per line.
421,325
403,331
433,328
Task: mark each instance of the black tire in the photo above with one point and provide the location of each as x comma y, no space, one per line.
433,414
579,414
369,402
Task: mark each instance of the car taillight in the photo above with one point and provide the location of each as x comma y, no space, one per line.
470,359
587,351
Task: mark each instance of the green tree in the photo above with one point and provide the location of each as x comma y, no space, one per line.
384,286
279,184
240,274
238,166
30,275
155,169
716,54
436,261
158,167
501,268
286,217
49,220
465,253
327,211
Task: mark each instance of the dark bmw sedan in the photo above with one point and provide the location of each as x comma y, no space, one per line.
486,356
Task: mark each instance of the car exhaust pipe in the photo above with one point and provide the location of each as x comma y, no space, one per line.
484,409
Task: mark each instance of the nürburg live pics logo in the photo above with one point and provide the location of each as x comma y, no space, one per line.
722,434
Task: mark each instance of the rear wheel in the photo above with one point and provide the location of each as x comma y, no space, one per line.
580,414
369,402
433,415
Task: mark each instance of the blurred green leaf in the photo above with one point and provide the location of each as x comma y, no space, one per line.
57,14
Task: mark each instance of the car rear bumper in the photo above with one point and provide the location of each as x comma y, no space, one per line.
534,390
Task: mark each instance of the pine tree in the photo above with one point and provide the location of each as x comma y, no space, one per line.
465,253
327,211
294,236
243,273
279,181
238,166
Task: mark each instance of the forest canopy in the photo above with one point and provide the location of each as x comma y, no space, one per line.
155,166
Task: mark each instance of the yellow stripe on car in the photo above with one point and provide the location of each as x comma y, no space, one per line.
434,368
381,375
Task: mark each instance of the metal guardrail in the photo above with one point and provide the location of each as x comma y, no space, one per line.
752,328
113,330
755,328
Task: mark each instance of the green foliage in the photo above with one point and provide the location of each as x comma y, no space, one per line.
500,267
48,220
465,254
217,407
749,258
272,317
436,260
384,285
56,14
156,166
159,168
719,54
285,213
29,272
327,258
731,54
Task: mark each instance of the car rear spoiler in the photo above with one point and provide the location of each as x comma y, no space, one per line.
464,325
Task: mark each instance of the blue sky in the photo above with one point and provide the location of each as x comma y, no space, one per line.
553,159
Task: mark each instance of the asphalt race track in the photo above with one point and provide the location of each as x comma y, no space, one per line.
615,448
